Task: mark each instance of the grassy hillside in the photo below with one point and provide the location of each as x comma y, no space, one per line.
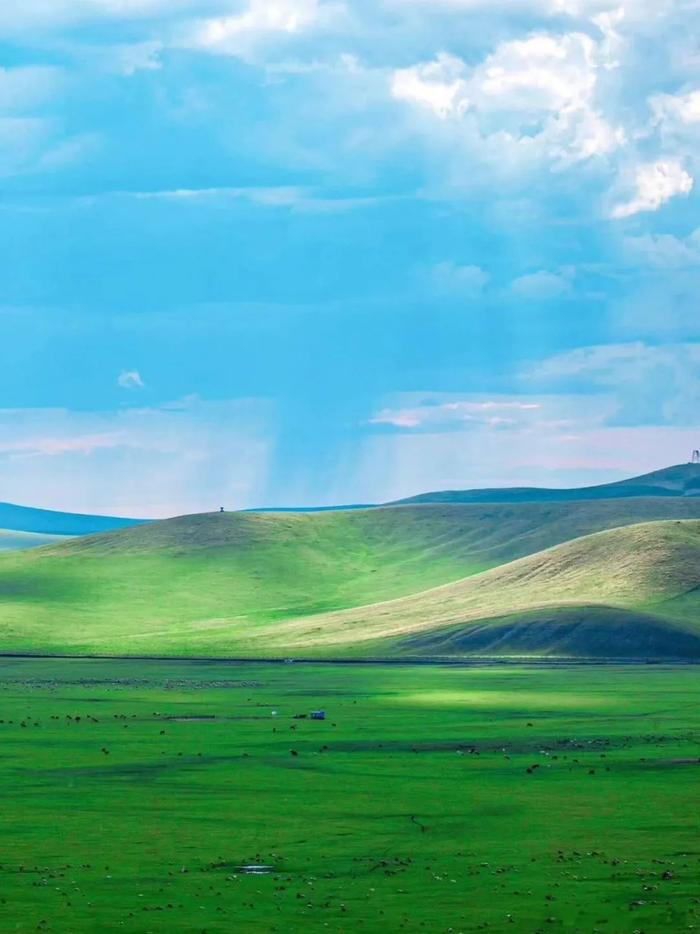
610,593
222,583
679,480
48,522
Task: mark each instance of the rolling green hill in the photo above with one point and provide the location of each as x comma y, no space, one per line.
625,591
220,584
679,480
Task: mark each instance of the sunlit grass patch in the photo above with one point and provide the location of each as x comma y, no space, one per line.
511,700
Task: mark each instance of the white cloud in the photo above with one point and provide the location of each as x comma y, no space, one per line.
552,79
474,411
581,9
294,198
279,196
541,285
130,379
664,250
600,361
452,278
439,86
129,58
537,93
655,183
683,108
653,384
240,34
541,73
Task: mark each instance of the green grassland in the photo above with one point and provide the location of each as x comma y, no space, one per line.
266,584
430,799
629,577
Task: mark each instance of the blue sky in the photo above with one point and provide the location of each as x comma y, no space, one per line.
262,252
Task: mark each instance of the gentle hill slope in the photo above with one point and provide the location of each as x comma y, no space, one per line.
466,537
679,480
595,595
47,522
204,584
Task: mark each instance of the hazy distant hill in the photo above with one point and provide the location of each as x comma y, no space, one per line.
18,541
47,522
680,480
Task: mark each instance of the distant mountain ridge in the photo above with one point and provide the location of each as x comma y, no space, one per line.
49,522
678,480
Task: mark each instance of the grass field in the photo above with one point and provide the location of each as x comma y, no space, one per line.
230,584
623,584
430,799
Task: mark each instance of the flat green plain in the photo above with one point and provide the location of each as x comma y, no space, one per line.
431,798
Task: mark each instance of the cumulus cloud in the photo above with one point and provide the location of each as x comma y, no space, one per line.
241,34
541,73
452,278
683,108
655,183
130,379
539,90
541,285
551,85
439,86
